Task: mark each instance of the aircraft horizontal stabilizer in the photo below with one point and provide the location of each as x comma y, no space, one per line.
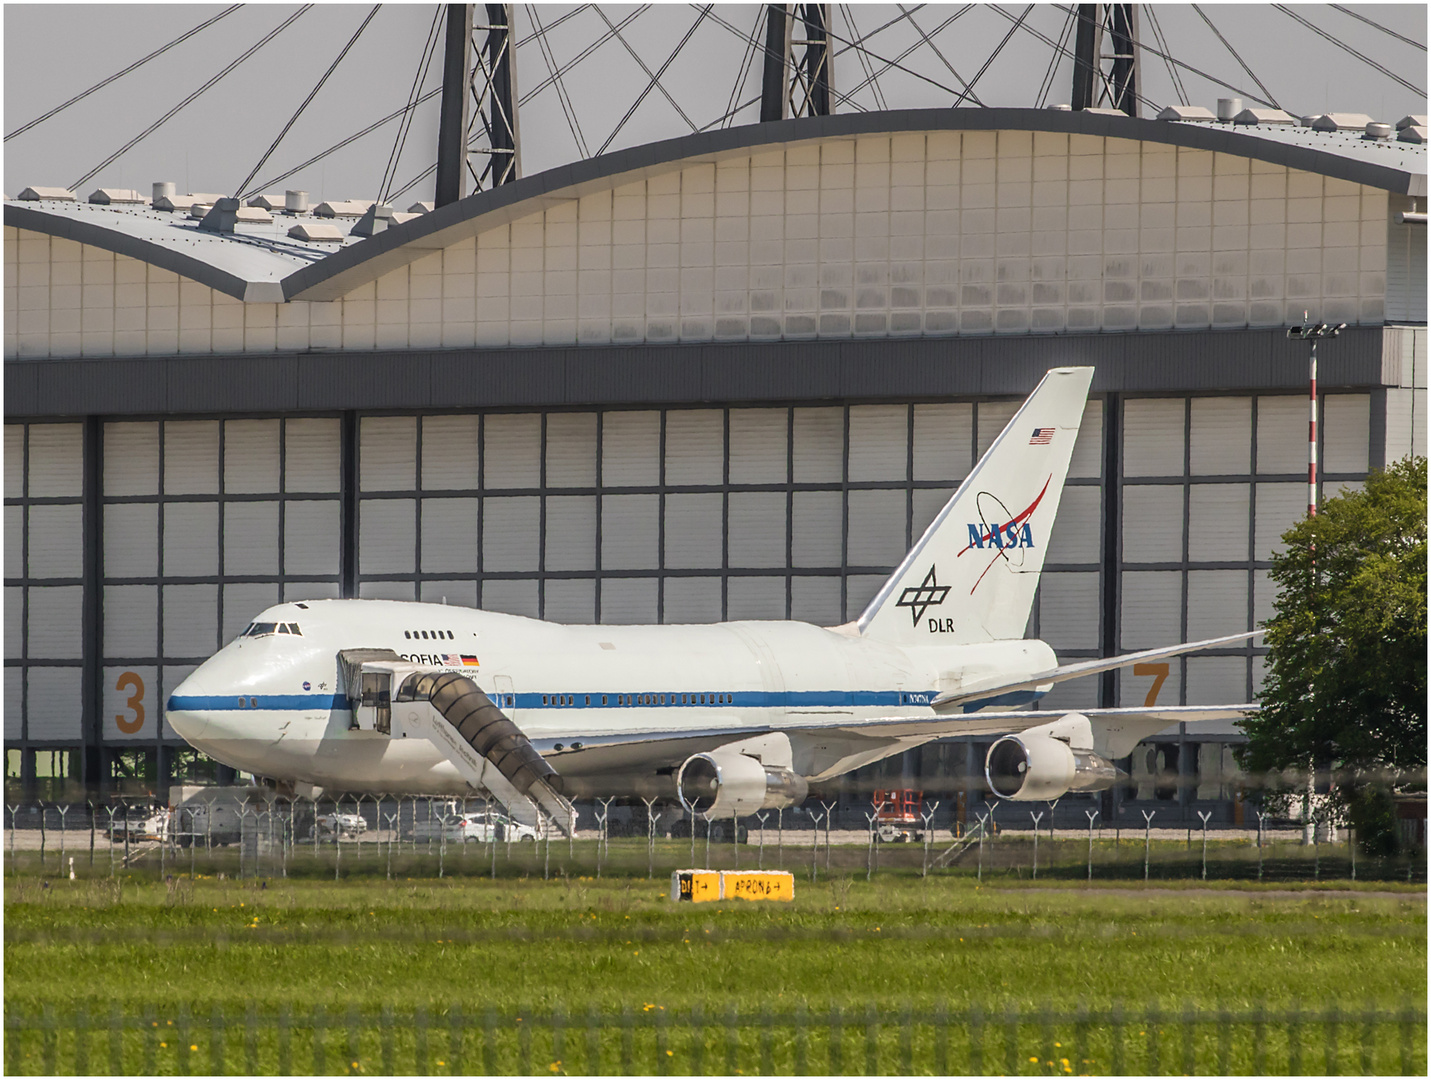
983,691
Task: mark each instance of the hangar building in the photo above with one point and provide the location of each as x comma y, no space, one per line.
727,376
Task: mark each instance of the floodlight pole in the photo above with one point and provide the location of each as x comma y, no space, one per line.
1312,332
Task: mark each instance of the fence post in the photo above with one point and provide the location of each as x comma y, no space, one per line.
693,836
760,860
1092,816
650,838
982,830
815,850
779,838
43,839
928,817
111,840
1261,823
14,810
91,835
1148,839
870,856
1052,806
1351,844
1036,818
1206,816
735,838
829,817
601,834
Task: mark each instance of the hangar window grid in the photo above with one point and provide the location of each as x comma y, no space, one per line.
172,651
853,581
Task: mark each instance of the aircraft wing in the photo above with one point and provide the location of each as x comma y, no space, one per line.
1001,723
969,698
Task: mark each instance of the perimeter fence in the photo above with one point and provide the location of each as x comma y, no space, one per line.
423,838
861,1040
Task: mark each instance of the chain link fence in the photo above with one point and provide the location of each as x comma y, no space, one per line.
429,837
864,1040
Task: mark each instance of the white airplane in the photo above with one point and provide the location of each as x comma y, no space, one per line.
385,697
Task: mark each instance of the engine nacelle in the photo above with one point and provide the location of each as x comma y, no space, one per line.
1035,766
726,782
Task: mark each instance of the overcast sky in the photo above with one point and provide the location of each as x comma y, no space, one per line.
53,52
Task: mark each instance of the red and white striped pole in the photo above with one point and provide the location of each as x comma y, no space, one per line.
1312,441
1311,332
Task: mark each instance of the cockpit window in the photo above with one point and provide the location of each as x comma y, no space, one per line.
265,629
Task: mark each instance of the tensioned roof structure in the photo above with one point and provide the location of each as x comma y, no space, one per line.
260,263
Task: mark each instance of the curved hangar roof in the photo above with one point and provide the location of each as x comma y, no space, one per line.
250,262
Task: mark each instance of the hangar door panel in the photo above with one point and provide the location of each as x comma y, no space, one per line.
1221,436
994,416
628,532
451,454
56,460
879,442
191,539
52,703
1152,609
251,456
694,531
131,459
310,537
692,600
757,529
571,450
251,538
512,450
631,449
1218,517
449,536
1346,433
310,455
56,541
759,446
571,532
1217,603
943,442
1153,437
191,457
1077,531
695,444
131,620
387,453
14,703
1282,435
1087,460
1069,610
511,533
54,622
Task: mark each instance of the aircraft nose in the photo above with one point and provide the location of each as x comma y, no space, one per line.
187,710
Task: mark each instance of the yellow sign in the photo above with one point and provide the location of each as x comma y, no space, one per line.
699,886
696,886
757,885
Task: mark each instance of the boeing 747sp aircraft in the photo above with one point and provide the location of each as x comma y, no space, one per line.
378,696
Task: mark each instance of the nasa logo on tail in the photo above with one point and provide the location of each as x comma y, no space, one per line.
1001,530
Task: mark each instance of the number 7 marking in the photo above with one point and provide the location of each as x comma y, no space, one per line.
1160,676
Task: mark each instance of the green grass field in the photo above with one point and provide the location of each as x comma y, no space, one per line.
529,948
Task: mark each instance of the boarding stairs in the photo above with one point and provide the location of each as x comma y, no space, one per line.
393,697
950,855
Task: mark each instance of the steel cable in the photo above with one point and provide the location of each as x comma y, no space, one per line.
655,83
243,188
871,79
1066,52
564,99
1046,84
1285,10
746,61
284,25
1162,40
1228,45
992,57
602,40
424,65
120,74
1383,29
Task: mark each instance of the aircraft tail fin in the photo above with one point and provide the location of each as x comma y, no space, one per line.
973,574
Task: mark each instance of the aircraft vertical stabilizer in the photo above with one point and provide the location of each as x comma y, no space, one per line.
973,574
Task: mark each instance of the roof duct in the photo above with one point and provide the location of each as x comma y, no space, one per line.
1228,108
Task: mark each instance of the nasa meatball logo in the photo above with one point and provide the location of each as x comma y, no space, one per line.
307,685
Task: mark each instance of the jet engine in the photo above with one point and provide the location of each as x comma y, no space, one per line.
1045,763
726,782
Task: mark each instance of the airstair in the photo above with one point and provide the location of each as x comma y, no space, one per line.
396,698
952,854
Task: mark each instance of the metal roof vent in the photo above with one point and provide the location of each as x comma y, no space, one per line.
1412,133
1228,107
1377,131
1340,121
295,202
1060,108
374,220
1186,112
1411,121
33,194
116,197
164,189
421,208
354,208
264,202
314,230
1264,116
253,215
221,218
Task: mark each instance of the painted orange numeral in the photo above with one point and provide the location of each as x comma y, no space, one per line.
133,683
1160,676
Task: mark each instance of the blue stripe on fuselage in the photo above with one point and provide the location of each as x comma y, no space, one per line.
746,699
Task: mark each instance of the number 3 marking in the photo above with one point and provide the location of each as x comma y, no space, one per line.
135,684
1160,673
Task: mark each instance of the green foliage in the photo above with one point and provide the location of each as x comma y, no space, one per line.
1346,678
1373,816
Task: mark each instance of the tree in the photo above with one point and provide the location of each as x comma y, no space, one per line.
1346,676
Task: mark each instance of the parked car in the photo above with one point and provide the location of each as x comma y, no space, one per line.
332,827
141,823
480,827
205,824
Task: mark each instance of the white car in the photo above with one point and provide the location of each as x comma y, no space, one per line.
145,824
339,826
478,827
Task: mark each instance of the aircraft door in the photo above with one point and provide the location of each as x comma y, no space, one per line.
506,695
375,706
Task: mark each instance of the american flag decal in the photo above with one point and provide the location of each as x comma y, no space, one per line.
1042,436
